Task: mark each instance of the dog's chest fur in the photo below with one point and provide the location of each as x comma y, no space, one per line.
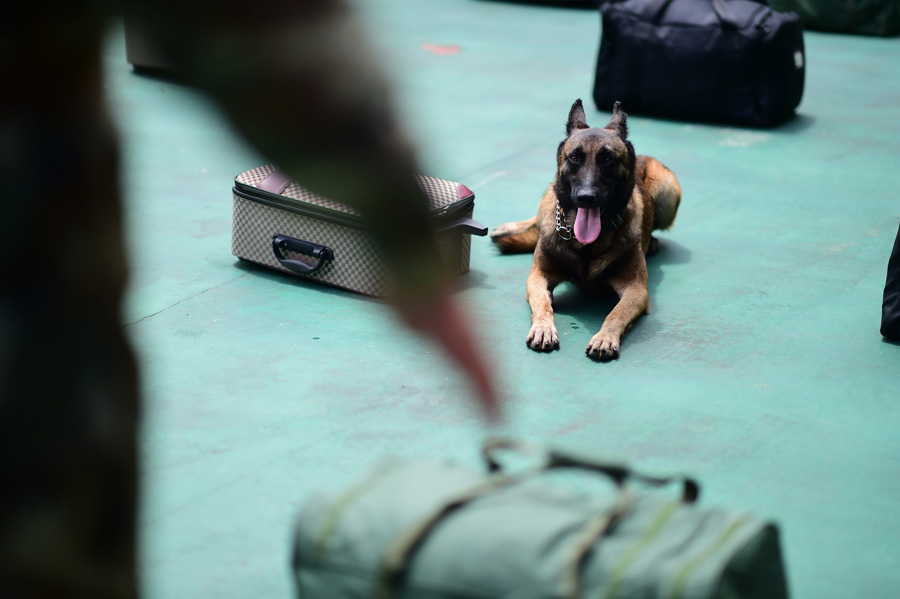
588,265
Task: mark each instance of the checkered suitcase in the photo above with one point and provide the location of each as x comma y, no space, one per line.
280,224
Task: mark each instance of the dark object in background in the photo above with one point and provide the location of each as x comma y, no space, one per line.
890,309
280,224
429,528
736,62
865,17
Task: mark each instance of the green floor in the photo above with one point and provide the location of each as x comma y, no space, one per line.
760,369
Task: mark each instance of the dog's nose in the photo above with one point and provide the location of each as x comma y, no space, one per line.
585,197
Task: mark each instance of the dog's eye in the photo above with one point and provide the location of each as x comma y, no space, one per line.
606,159
573,158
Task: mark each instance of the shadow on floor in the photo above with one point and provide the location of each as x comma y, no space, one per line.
590,310
283,278
474,279
798,124
670,252
470,280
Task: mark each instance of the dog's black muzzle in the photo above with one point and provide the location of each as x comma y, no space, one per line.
590,197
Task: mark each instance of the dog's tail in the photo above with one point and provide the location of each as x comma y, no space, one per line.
516,238
663,187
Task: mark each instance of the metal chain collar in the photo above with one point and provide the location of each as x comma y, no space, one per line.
560,227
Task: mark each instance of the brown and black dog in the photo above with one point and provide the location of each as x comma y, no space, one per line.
593,227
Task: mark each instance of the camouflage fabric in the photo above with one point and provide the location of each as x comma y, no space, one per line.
294,78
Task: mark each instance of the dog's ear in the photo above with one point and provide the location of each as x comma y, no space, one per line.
619,121
577,120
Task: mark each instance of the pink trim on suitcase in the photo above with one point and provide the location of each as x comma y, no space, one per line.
275,182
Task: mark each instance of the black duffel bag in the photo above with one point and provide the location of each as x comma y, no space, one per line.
734,61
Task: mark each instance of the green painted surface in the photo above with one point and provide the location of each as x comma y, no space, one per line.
760,369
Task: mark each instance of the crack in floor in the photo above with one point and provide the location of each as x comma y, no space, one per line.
181,301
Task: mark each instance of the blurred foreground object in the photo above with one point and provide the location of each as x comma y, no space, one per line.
297,81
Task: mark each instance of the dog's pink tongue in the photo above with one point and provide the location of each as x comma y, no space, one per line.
587,225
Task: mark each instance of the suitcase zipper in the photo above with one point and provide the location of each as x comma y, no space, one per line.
455,209
349,220
276,201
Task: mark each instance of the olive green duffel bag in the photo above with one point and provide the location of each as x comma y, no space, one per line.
420,529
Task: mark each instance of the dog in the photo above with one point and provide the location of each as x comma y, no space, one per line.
593,228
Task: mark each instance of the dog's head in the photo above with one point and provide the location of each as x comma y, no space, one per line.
596,171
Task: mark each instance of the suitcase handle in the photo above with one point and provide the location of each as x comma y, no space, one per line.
472,227
282,242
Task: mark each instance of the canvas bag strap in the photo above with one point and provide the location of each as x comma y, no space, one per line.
602,524
652,11
618,472
396,560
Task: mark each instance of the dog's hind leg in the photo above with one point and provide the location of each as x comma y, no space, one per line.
666,199
662,186
665,207
517,237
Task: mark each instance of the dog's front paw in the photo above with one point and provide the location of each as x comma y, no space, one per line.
542,337
603,346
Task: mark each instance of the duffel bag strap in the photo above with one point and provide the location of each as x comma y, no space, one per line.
602,524
396,560
726,17
556,459
653,10
593,531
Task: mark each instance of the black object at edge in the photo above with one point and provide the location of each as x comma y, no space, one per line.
890,308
